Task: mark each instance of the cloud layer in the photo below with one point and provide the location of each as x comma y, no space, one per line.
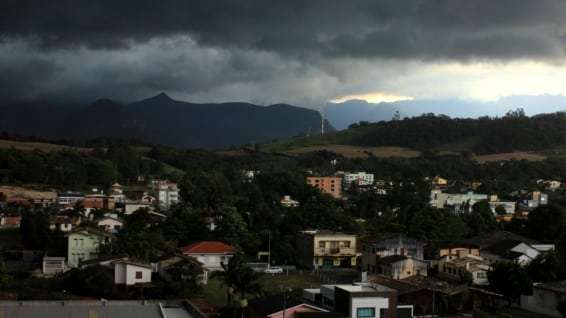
264,51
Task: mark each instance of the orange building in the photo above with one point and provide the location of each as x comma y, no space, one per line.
328,185
98,201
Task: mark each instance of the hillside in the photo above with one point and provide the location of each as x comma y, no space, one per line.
162,120
512,133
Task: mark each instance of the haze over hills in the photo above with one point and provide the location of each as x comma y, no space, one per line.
162,120
341,115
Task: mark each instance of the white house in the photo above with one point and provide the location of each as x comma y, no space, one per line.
53,265
210,253
110,224
288,202
358,178
514,250
130,273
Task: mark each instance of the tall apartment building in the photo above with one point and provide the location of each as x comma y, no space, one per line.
166,192
358,178
328,185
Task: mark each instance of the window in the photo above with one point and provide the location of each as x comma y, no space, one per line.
365,312
321,244
139,275
347,244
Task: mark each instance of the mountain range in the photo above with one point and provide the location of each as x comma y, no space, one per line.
341,115
162,120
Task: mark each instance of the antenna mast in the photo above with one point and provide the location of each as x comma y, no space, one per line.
321,120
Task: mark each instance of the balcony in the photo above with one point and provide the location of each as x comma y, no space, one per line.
334,251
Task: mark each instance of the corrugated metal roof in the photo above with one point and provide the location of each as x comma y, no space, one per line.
82,309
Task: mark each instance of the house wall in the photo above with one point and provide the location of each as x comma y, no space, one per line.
120,273
110,225
328,185
333,249
368,302
82,247
212,262
458,252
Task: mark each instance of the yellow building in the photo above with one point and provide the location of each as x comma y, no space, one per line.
319,248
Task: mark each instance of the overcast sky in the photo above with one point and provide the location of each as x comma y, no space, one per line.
266,51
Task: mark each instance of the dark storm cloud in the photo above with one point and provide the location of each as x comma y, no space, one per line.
420,29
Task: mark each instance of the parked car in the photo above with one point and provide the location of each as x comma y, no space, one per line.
274,270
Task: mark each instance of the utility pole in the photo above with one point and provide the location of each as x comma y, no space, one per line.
269,253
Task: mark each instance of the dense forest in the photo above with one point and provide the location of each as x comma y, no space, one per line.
484,135
161,120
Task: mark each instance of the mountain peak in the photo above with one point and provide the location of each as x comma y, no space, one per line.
162,97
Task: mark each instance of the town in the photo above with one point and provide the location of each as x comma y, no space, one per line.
159,239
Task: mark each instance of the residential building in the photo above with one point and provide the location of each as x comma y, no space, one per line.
514,251
133,206
508,206
274,307
288,202
458,202
551,185
439,182
166,192
361,179
117,193
94,309
127,272
451,251
457,269
360,300
110,224
84,244
63,223
328,185
535,199
69,199
399,267
212,254
388,244
545,298
249,175
10,222
98,201
319,248
53,265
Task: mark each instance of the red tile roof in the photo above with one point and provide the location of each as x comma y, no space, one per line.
208,247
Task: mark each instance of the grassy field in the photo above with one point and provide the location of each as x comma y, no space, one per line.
359,152
42,146
215,291
530,156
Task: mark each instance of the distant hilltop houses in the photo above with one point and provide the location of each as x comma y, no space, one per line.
518,205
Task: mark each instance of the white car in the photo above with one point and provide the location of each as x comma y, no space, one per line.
273,270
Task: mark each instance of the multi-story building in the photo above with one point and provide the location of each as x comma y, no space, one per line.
360,300
69,199
84,244
318,248
328,185
98,201
117,193
536,199
166,192
459,202
358,178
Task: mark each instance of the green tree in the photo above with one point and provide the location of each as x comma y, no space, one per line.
545,267
562,308
510,279
546,223
5,278
239,276
480,220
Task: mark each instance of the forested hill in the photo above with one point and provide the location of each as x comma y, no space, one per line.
513,132
162,120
